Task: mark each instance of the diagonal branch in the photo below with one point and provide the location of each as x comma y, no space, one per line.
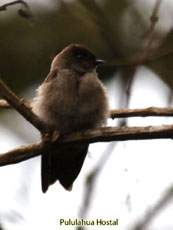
106,134
5,105
153,19
155,210
21,107
21,153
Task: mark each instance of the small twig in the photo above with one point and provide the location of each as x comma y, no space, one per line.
159,55
134,61
25,13
154,20
4,7
21,107
106,134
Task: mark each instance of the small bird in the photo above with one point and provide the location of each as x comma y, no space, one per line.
71,98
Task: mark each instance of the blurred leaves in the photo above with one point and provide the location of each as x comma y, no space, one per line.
114,30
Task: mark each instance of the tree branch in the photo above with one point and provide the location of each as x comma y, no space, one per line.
106,134
25,13
155,210
21,107
150,111
21,153
145,55
134,61
153,19
5,105
118,113
4,7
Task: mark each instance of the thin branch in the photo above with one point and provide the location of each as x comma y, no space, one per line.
106,134
25,13
134,61
146,55
154,20
4,7
21,107
119,113
21,153
159,55
150,111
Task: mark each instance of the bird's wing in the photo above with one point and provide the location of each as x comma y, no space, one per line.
45,171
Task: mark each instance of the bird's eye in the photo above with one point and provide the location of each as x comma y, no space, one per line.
79,56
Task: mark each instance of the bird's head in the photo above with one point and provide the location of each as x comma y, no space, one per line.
77,58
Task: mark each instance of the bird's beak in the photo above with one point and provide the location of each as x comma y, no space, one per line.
99,62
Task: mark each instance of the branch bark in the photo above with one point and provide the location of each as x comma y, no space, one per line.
21,107
150,111
4,7
21,153
25,13
106,134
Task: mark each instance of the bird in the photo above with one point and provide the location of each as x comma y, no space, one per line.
71,98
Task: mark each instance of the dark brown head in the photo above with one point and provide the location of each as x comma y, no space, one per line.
77,58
